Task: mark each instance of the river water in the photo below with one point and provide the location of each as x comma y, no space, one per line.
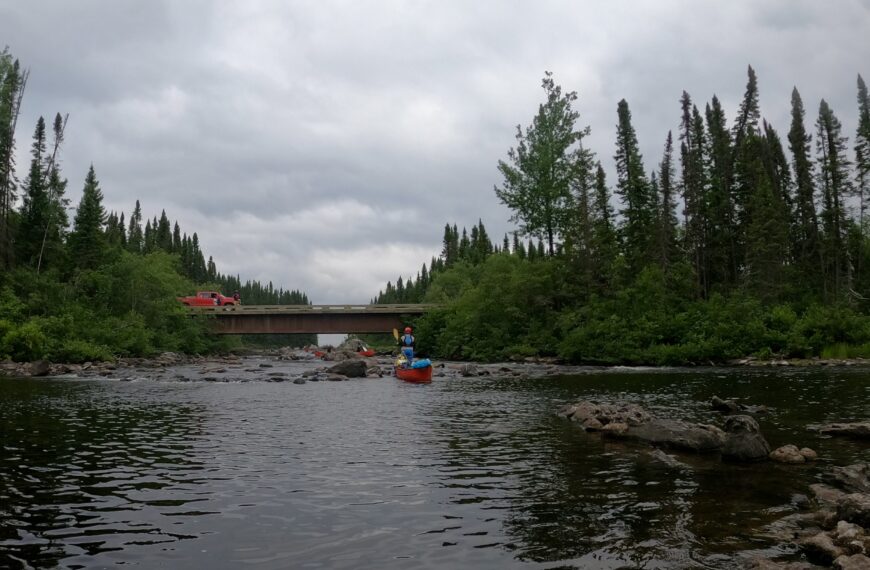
376,473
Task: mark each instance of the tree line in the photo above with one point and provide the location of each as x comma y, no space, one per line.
98,285
738,241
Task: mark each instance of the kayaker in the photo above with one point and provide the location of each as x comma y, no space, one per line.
406,341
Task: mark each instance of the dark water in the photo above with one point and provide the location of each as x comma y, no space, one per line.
381,474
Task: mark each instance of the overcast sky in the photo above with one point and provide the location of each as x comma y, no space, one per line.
323,145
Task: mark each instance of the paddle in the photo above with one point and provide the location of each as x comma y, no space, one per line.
396,334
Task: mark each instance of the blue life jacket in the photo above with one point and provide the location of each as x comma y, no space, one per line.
408,339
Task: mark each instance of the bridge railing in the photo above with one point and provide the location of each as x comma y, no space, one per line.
394,309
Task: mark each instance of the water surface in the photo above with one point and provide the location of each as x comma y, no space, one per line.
376,473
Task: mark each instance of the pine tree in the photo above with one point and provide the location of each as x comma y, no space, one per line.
633,188
135,237
87,242
604,243
176,239
666,232
12,83
35,206
693,185
805,227
721,233
835,187
163,236
539,171
862,151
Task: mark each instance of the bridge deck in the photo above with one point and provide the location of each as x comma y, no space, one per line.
291,319
394,309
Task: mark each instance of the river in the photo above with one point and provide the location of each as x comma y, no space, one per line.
376,473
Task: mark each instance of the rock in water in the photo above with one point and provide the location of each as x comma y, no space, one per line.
788,454
852,478
40,368
854,562
859,430
855,508
675,434
350,368
744,441
726,406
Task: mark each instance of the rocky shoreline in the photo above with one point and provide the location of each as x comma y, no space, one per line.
380,365
832,529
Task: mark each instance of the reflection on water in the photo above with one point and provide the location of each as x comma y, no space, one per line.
377,473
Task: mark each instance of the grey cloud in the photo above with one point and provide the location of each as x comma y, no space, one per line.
246,120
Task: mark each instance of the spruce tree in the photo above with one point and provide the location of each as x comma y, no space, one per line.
805,227
721,234
87,242
135,237
12,82
666,230
633,188
163,236
35,206
862,151
835,187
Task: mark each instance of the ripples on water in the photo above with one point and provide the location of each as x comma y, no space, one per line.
378,473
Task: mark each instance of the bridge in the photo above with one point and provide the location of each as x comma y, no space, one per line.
322,319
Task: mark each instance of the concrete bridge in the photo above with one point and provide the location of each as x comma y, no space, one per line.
322,319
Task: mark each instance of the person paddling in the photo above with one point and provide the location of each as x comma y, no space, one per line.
406,341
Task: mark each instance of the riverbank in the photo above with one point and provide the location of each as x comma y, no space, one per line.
530,367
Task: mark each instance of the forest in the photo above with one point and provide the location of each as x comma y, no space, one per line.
737,242
99,285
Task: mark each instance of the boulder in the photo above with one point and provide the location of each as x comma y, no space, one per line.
788,454
675,434
809,454
859,430
855,508
350,368
40,368
820,549
630,414
615,427
744,441
826,495
299,380
854,562
726,406
851,478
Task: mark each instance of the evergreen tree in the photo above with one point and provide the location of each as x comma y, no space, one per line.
721,234
176,239
12,82
35,206
862,151
693,178
539,171
87,242
163,236
633,188
805,227
835,187
666,231
135,237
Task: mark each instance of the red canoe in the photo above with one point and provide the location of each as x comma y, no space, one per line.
415,375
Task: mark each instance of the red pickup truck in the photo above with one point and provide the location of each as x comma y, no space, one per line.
207,299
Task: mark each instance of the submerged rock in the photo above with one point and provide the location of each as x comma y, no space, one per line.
860,430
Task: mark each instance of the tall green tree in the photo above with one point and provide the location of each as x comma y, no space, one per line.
666,219
87,241
633,188
721,240
35,205
135,237
835,187
862,150
806,249
539,170
12,83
